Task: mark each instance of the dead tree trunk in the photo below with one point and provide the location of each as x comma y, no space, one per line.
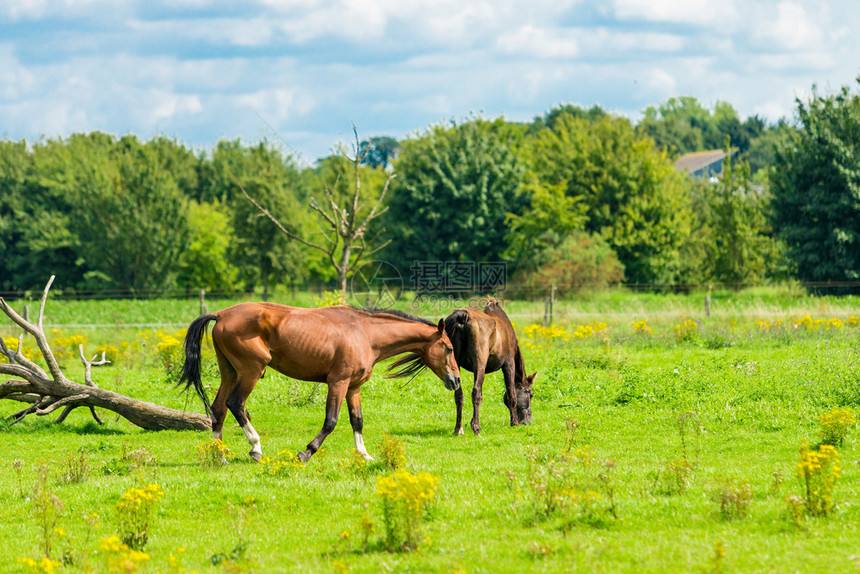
51,391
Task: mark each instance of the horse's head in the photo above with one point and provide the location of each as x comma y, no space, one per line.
524,399
439,358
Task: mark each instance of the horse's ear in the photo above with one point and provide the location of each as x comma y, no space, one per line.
530,380
441,326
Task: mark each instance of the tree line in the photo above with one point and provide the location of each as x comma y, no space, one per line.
578,198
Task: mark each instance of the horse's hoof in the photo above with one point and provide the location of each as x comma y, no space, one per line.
303,457
458,432
476,430
256,456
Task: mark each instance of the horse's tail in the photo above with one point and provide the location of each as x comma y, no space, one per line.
191,368
455,320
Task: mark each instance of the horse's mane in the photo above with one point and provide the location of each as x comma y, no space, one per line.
411,363
396,313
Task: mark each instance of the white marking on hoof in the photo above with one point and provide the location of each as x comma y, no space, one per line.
254,440
359,445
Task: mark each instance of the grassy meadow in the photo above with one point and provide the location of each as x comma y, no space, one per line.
664,440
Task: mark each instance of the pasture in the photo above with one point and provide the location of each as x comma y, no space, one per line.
663,440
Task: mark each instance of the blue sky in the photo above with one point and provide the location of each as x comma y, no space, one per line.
302,72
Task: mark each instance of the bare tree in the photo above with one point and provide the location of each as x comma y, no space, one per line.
345,239
50,391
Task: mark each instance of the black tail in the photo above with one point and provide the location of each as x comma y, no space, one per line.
191,368
455,320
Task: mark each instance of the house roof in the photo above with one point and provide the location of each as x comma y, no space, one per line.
693,162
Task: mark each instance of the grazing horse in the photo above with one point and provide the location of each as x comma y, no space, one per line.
485,342
336,345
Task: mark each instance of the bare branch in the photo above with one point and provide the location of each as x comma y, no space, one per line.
289,233
88,365
44,299
74,399
318,209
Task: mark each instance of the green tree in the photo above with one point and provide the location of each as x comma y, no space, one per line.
204,263
678,125
378,151
261,253
128,215
454,186
550,218
816,188
732,227
35,241
634,197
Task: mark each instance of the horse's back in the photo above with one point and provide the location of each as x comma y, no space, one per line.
299,342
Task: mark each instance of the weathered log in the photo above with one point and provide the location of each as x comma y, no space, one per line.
50,391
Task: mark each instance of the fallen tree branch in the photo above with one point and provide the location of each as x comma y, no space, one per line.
50,391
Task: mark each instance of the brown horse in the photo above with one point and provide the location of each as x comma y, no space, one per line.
485,342
337,346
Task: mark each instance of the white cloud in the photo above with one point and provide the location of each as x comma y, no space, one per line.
276,105
198,70
251,32
661,82
814,61
793,28
166,105
699,12
529,41
18,10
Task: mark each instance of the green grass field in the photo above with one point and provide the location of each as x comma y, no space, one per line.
663,441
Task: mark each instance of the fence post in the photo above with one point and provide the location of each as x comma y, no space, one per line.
203,301
26,313
547,309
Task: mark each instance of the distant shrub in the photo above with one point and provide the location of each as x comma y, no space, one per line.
285,463
818,471
673,477
330,298
120,557
405,499
835,425
170,352
391,452
356,464
642,328
65,347
134,513
213,454
733,497
580,262
686,331
75,468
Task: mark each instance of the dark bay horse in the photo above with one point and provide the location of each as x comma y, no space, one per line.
485,342
336,345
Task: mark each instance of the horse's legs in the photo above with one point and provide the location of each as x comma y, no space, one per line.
511,391
353,403
336,393
219,405
458,401
236,403
477,396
